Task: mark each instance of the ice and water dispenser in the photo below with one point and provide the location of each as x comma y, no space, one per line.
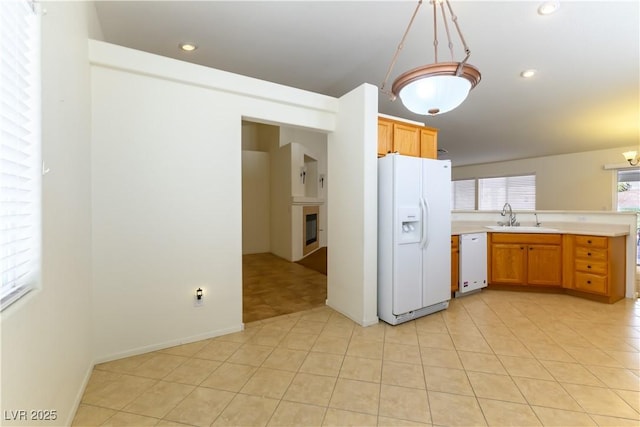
409,218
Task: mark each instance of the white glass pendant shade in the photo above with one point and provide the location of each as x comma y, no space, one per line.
436,88
435,95
439,87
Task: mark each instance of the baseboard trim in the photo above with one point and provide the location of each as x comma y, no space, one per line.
361,322
166,344
78,399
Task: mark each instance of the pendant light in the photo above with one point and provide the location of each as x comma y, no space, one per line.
439,87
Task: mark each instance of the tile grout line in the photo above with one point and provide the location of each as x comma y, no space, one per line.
544,328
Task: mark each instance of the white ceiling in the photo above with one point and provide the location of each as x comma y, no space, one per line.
584,97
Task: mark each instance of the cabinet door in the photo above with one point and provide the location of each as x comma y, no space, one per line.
507,263
429,143
385,137
544,265
455,259
406,139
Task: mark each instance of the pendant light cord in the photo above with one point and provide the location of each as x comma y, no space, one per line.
454,18
467,52
400,46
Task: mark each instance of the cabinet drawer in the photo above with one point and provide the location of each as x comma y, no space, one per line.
591,253
591,283
591,241
550,239
591,266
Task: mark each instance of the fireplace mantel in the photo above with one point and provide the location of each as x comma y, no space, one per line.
306,201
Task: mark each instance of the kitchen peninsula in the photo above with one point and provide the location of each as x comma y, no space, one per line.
585,254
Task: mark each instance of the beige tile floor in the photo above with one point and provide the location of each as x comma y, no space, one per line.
495,358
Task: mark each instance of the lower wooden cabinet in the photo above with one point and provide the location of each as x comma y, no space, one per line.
544,264
508,263
595,265
587,266
525,259
455,262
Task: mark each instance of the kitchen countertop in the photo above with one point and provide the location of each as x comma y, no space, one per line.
592,229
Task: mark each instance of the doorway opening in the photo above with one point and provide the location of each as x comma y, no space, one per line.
284,227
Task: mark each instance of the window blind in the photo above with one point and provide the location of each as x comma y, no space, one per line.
20,160
629,175
518,191
628,191
463,194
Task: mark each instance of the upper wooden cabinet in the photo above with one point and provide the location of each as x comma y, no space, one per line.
385,137
406,139
429,143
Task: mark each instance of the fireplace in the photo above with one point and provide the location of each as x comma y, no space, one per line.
310,238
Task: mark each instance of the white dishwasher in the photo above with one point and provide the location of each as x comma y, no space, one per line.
473,262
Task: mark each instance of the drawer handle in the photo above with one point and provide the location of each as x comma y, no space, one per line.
588,266
589,241
588,253
588,282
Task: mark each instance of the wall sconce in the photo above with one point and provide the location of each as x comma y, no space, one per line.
303,173
632,157
199,294
321,180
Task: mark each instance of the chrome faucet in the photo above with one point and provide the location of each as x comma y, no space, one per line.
538,223
512,216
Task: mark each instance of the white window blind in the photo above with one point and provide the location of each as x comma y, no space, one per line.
463,194
20,161
518,191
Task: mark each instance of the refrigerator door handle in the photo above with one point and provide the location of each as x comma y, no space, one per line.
425,221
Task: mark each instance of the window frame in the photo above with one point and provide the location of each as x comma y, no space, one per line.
477,192
20,151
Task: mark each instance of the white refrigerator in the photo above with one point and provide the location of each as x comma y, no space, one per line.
414,237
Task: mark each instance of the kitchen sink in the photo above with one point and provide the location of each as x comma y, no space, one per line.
521,229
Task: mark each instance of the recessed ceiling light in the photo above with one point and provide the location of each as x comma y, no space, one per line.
548,7
528,73
188,47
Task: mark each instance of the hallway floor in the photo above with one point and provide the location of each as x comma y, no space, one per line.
494,358
272,286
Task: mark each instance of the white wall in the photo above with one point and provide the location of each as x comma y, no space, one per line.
574,181
353,170
167,194
256,204
47,336
258,141
281,215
